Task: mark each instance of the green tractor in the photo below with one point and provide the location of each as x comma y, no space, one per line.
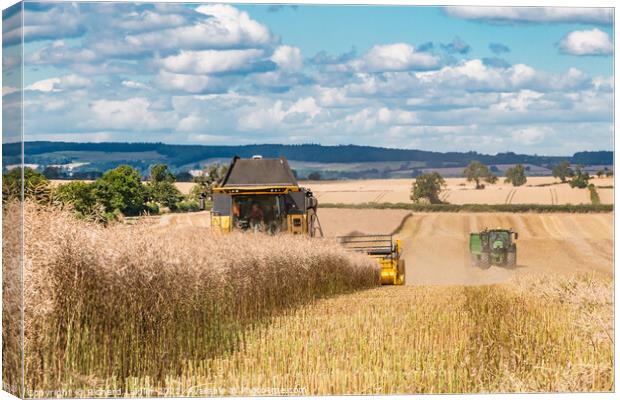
493,247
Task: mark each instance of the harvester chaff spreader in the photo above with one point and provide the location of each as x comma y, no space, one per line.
382,248
493,247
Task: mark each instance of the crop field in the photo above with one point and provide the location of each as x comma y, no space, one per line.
246,314
459,191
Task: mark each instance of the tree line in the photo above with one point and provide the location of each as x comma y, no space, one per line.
428,187
116,193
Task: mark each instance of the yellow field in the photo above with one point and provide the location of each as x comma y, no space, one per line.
458,191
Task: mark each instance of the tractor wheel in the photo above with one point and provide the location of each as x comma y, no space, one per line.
474,260
511,259
485,261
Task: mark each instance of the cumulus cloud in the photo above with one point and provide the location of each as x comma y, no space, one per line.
393,57
588,15
58,84
587,43
213,74
211,61
288,58
531,135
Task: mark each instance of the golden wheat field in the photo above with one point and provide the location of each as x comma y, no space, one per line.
164,307
459,191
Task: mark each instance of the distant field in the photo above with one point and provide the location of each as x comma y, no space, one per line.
458,191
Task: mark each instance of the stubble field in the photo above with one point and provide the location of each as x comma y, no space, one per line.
459,191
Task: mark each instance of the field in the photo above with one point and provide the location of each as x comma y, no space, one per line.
458,191
257,315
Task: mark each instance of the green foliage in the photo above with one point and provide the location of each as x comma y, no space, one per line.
80,195
580,179
212,176
476,172
594,197
161,173
428,187
516,175
562,171
187,206
163,193
121,189
53,172
36,186
184,177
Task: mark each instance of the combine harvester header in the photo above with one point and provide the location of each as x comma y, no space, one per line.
385,250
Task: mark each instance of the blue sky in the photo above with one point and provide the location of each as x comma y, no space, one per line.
532,80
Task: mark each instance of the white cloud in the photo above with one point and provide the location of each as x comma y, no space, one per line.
534,14
149,20
393,57
262,117
128,114
58,84
211,61
222,26
134,84
188,83
192,123
288,58
587,43
531,135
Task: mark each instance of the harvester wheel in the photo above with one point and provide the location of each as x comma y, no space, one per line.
511,259
485,260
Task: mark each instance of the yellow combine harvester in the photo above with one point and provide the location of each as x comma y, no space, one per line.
385,250
263,195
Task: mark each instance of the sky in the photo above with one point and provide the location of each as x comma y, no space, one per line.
487,79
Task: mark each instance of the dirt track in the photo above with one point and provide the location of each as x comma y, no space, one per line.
436,245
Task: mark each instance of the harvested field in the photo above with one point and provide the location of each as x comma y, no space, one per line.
543,334
458,191
339,222
437,252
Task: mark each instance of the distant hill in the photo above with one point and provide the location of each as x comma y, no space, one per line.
102,156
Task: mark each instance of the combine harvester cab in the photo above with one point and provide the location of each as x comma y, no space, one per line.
263,195
493,247
385,250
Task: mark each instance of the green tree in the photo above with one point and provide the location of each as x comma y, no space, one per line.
562,171
80,195
121,189
428,187
211,176
476,172
161,189
36,186
53,173
580,178
161,173
600,173
516,175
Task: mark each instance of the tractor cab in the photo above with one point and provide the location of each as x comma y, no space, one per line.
493,247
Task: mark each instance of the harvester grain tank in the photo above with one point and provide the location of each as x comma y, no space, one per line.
493,247
262,194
